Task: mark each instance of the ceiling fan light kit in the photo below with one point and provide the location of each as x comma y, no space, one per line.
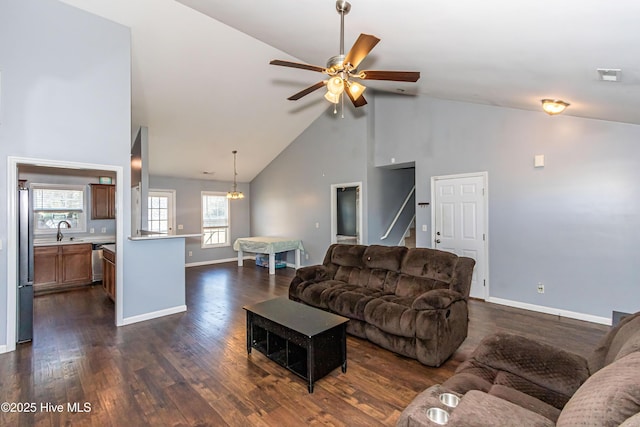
342,69
554,106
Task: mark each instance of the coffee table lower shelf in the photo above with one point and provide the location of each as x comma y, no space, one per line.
309,357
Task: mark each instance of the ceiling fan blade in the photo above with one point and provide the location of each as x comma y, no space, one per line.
306,91
361,49
359,102
297,65
396,76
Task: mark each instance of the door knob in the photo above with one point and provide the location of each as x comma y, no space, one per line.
438,233
437,240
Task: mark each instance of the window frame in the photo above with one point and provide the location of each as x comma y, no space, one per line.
227,227
82,214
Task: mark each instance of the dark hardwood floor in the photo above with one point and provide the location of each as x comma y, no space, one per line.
192,369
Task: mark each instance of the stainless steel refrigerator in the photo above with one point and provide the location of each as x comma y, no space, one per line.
25,268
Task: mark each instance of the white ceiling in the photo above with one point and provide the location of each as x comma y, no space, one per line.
202,83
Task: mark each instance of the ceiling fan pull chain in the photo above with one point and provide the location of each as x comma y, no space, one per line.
342,105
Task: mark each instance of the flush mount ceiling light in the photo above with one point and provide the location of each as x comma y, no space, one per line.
554,106
235,194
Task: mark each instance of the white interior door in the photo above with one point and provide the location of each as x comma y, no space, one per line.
460,222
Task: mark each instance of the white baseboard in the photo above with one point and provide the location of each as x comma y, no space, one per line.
3,349
154,315
216,261
550,310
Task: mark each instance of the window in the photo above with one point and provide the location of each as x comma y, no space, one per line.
55,203
215,219
160,211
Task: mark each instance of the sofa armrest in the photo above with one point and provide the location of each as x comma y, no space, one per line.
542,364
475,408
312,272
436,299
479,409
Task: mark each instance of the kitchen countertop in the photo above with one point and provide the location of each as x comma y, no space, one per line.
110,248
162,236
77,240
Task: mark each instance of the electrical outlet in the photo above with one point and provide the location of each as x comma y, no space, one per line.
306,256
540,288
103,230
180,226
317,225
92,230
190,253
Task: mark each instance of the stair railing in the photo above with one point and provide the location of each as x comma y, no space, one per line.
404,204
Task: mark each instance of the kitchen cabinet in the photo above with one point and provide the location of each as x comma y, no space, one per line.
58,267
109,273
103,201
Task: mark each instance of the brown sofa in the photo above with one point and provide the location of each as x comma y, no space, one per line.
410,301
512,380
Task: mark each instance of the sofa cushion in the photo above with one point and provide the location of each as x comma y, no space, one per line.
431,263
349,300
392,314
542,365
623,339
412,286
311,292
526,401
348,255
384,257
608,397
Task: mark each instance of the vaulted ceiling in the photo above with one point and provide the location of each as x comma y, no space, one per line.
202,83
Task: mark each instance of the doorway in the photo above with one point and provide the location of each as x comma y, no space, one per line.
459,222
161,211
346,213
12,238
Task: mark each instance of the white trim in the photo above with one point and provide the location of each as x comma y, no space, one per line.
12,237
334,210
485,184
154,314
550,310
3,349
216,261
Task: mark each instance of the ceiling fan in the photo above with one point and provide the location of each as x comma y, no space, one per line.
343,69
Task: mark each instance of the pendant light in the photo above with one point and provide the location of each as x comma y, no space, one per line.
235,194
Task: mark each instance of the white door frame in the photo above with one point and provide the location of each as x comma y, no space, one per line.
334,209
485,184
12,237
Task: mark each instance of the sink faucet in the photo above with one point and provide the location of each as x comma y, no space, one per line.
59,235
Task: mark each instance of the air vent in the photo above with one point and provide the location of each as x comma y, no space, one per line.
609,74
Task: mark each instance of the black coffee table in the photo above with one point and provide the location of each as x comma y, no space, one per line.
307,341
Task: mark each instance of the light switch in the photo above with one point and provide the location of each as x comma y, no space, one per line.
424,227
538,161
180,226
317,225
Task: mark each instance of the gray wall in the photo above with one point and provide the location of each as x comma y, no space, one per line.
65,95
159,287
292,194
572,225
96,224
188,213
